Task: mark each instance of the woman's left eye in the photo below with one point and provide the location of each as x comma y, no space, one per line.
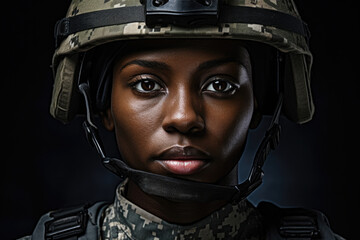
220,86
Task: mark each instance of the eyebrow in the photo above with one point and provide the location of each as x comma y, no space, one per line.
164,66
217,62
147,64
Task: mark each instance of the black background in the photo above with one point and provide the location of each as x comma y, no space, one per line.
47,165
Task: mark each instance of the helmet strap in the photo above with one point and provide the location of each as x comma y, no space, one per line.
182,190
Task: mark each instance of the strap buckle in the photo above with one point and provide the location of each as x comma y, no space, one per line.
66,223
61,30
299,226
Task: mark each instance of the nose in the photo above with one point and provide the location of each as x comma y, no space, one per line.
183,113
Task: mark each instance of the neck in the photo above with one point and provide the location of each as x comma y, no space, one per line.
177,212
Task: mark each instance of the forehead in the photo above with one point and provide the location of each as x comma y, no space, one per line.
210,48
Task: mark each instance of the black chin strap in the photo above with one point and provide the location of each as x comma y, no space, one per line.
182,190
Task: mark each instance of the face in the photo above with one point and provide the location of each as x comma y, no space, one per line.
182,108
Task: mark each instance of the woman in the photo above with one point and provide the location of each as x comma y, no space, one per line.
180,83
182,109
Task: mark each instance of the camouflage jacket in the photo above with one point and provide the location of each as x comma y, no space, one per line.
124,220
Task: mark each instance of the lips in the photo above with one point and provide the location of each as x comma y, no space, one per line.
183,160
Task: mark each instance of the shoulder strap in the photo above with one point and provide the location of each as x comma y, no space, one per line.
78,223
295,223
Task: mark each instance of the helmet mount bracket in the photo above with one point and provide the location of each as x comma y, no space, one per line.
181,13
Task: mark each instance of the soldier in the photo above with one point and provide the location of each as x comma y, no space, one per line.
180,83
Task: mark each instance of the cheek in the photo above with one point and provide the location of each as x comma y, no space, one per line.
228,124
135,126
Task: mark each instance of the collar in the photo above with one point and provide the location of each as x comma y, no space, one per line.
125,220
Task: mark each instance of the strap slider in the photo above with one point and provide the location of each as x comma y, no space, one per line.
299,226
274,134
66,223
61,30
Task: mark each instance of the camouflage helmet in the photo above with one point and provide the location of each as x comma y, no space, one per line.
92,23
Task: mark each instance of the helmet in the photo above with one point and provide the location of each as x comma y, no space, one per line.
93,23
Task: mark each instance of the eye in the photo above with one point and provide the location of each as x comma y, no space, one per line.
220,85
145,84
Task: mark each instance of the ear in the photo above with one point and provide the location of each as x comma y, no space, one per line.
107,119
256,117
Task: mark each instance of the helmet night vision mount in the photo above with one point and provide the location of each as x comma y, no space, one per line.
185,13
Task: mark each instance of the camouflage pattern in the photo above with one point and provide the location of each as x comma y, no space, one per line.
124,220
298,101
81,41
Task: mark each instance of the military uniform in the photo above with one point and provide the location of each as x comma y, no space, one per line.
124,221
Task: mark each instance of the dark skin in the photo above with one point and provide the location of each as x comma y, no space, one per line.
181,108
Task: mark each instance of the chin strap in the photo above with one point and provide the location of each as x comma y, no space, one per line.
182,190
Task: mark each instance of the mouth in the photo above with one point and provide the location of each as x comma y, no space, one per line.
183,160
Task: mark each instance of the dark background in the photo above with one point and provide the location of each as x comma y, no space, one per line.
47,165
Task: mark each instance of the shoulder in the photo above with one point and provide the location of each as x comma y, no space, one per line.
81,221
283,223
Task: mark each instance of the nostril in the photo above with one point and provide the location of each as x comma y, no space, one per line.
185,128
184,123
197,129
